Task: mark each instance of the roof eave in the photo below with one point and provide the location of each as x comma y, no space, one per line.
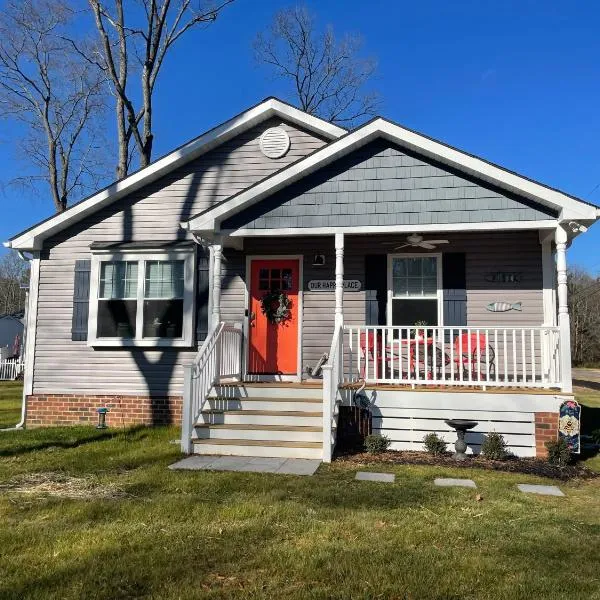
33,238
567,207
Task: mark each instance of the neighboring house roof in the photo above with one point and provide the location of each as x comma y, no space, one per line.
567,207
13,317
32,238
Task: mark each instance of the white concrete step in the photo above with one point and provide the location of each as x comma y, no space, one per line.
265,433
268,390
240,447
261,417
282,403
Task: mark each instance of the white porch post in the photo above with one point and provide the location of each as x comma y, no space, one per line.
339,279
549,303
563,310
217,252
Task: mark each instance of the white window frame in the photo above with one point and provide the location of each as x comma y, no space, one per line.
439,295
141,257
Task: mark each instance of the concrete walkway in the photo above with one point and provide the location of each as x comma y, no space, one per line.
248,464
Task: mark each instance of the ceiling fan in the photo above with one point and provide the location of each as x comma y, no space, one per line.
414,240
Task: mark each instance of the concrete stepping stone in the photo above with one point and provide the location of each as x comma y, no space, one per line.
248,464
369,476
468,483
543,490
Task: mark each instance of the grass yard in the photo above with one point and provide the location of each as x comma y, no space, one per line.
10,403
96,514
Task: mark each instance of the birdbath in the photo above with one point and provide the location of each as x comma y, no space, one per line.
461,426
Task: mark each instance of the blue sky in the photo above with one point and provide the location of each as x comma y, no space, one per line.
516,82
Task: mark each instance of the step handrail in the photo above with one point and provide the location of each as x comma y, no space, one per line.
219,356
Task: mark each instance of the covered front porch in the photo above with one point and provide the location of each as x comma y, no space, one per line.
479,310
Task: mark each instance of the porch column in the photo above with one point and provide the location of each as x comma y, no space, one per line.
217,252
563,310
339,279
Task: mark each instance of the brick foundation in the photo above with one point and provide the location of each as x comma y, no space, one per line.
75,409
546,430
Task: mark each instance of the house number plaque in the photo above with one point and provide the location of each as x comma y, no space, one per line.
328,285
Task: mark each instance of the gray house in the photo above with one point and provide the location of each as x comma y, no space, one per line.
252,280
11,335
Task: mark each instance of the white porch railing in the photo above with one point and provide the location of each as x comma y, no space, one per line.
220,357
458,356
10,369
333,372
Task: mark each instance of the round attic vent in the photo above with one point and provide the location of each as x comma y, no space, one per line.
274,142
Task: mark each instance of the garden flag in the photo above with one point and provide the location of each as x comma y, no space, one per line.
568,424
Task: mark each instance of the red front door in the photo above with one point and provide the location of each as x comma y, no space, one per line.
273,347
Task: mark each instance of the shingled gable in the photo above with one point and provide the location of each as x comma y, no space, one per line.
566,207
32,238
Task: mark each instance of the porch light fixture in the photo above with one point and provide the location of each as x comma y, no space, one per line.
319,260
576,227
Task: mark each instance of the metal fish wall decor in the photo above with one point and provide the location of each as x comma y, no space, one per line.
503,306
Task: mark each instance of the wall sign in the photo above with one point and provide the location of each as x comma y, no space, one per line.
504,277
568,424
328,285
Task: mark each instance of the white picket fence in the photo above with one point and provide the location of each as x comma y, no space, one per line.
10,369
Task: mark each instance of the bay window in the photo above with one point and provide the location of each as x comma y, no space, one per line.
141,299
414,290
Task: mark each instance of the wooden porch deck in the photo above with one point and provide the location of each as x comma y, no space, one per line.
393,387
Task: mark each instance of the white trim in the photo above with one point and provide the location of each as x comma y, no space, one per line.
339,279
568,207
248,282
456,399
271,107
31,328
550,224
187,338
439,295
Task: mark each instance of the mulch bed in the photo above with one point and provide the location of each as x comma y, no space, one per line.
528,466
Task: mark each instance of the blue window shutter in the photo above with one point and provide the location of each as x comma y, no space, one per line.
81,300
375,289
202,295
454,280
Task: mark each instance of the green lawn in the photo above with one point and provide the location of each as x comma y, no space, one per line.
96,514
10,403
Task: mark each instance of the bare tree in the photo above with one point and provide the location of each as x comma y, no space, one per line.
53,94
327,76
132,39
584,308
14,273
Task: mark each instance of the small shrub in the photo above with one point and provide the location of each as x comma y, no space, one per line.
434,444
494,446
376,444
559,453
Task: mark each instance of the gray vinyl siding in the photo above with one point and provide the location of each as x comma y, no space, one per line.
485,253
384,185
153,213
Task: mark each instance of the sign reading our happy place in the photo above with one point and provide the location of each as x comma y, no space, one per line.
328,285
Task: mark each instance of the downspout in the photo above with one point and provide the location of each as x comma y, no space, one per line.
21,423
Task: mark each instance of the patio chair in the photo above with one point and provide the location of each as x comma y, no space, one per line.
371,348
472,352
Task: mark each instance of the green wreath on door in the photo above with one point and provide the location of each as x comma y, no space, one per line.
276,306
